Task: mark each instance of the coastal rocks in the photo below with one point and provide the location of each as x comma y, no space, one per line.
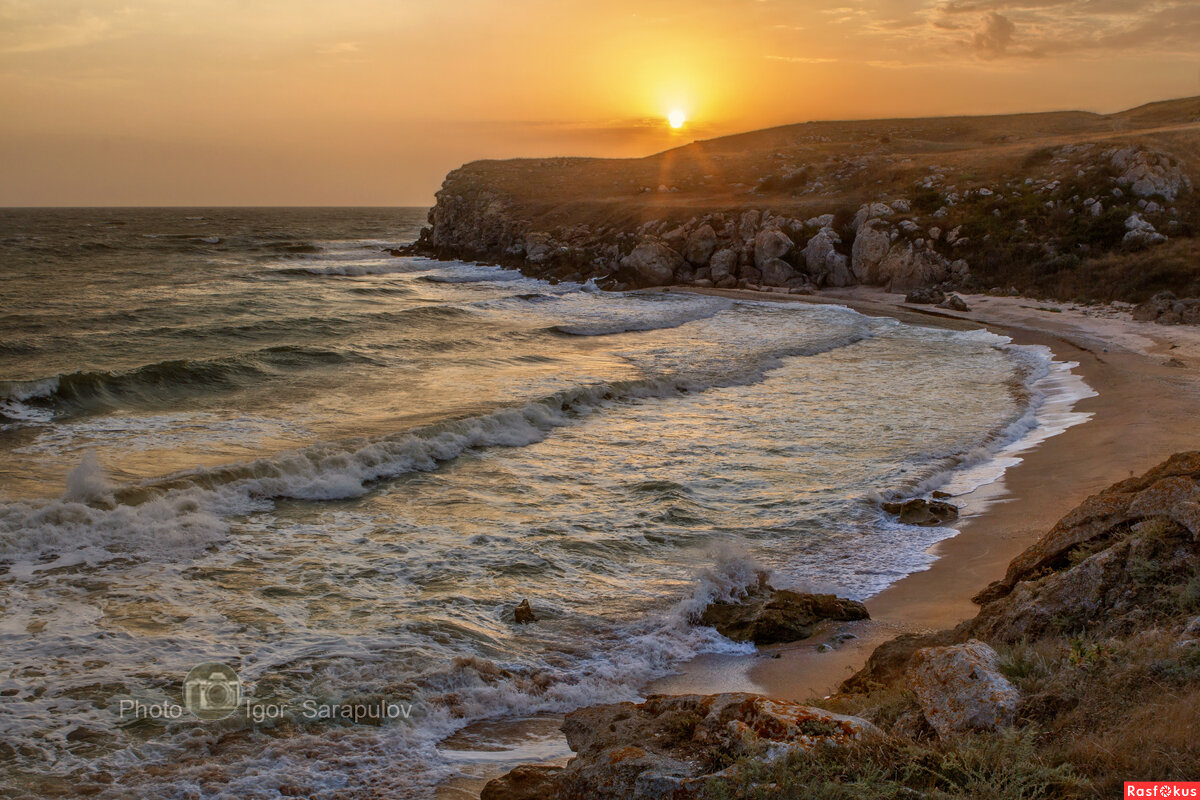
770,244
700,245
651,263
825,264
523,613
870,247
776,272
960,688
925,296
723,267
926,513
1141,232
671,746
954,303
1166,309
1170,491
768,615
908,266
870,211
526,782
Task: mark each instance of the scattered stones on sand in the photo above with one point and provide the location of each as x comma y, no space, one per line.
954,303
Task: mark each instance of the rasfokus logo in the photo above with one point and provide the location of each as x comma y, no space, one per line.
212,691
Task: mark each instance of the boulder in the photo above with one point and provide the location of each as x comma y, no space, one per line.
908,267
538,248
960,688
526,782
825,264
1140,232
770,244
926,513
776,272
701,245
870,247
523,613
671,746
651,263
723,264
925,296
954,303
870,211
768,615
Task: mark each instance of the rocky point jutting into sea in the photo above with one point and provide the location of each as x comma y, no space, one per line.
1071,205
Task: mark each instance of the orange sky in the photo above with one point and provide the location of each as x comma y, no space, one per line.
370,102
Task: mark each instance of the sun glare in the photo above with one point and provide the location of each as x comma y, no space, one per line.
676,118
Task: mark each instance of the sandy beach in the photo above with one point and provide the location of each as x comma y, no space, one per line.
1147,380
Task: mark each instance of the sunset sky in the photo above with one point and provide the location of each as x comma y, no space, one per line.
370,102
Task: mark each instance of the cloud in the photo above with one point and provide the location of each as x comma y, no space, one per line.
994,37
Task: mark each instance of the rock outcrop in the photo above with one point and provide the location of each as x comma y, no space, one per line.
918,511
960,688
671,746
768,615
1165,308
1168,492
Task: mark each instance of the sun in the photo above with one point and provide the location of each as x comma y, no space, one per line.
676,118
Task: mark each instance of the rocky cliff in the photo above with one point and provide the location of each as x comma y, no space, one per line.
1040,202
1081,671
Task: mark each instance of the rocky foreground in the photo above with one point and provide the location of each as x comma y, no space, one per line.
1076,206
1081,671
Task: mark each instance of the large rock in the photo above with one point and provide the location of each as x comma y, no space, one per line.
908,267
723,265
768,615
870,211
525,782
651,263
769,244
671,746
824,263
1139,231
918,511
701,245
870,247
960,688
776,272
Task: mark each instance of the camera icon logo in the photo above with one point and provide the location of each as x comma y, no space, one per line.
212,691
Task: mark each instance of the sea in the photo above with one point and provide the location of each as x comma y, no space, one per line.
260,438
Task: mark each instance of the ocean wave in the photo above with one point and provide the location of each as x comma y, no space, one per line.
1046,391
342,469
91,391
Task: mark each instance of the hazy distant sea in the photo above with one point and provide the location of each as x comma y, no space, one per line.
256,437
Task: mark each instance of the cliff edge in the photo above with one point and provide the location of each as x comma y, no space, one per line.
1072,205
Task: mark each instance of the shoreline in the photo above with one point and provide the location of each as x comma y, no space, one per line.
1142,411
